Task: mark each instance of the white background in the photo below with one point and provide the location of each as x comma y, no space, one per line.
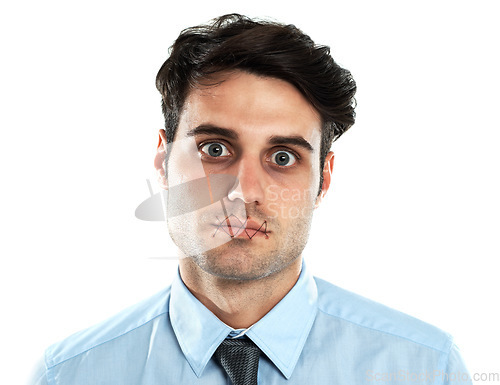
411,220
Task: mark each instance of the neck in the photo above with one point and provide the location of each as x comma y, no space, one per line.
238,303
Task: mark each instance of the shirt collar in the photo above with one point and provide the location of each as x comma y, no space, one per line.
280,334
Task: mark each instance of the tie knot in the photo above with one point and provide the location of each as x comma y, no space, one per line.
240,360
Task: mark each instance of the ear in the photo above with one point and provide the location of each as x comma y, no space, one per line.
327,178
161,153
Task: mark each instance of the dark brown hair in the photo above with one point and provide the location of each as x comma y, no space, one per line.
265,48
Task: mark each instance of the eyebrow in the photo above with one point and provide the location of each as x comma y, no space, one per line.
291,140
209,129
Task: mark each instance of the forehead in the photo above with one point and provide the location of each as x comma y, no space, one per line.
252,105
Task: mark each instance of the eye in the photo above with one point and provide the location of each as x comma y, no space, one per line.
283,158
215,149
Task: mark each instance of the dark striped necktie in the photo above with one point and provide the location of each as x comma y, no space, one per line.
240,360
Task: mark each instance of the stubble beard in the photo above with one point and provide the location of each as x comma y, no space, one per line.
241,260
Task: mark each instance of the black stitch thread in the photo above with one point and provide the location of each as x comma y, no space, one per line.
242,226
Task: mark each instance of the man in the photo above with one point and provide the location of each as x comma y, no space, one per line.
251,109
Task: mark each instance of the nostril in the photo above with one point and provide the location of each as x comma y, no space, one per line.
248,185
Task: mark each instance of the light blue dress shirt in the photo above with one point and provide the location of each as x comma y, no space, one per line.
317,334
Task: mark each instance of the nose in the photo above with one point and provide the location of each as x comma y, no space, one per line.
250,179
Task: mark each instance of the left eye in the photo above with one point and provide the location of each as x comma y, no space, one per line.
283,158
215,149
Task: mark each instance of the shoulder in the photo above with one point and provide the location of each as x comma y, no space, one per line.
133,318
379,319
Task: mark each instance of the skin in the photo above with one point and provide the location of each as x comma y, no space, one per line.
270,143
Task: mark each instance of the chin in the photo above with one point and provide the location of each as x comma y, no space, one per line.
242,265
230,265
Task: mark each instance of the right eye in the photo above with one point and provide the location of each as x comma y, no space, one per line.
215,149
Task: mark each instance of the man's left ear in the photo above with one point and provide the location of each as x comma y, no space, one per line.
327,178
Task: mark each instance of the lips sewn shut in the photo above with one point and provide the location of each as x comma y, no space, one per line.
250,228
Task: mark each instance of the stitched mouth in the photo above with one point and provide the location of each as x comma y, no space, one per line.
233,226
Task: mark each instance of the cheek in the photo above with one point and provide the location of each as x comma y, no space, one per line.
184,163
290,204
299,185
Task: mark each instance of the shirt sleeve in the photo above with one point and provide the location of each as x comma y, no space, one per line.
39,374
456,372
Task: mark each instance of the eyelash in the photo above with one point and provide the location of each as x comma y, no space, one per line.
203,144
275,150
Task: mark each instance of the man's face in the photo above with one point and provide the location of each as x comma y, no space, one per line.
251,144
